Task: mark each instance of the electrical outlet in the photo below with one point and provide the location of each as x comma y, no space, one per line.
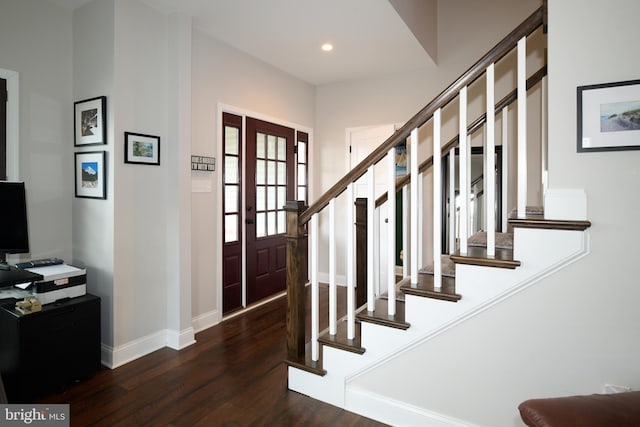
611,389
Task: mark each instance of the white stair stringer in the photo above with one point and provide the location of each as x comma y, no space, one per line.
541,253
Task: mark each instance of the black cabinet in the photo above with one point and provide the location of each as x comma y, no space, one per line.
42,352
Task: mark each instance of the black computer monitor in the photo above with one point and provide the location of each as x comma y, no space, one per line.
14,235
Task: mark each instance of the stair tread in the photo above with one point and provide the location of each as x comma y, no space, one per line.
478,256
306,363
425,288
380,315
340,340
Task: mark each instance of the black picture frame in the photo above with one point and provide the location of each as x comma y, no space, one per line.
141,149
609,116
90,173
90,121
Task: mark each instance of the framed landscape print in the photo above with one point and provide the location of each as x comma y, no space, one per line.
609,116
90,175
90,121
141,149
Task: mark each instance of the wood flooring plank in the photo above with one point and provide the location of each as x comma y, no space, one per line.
233,375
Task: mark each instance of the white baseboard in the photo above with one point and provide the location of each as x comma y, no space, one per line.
179,340
394,412
206,320
123,354
133,350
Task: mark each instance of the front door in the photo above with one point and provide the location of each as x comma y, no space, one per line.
269,184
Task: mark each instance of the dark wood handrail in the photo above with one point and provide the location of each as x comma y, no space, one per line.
472,74
471,129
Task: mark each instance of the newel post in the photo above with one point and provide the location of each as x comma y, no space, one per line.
296,279
361,251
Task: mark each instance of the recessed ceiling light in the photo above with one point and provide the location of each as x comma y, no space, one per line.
327,47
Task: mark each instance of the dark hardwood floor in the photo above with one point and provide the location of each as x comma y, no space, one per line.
233,376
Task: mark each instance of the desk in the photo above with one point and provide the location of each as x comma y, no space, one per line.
42,352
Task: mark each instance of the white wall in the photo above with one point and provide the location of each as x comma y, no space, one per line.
141,197
35,42
93,220
576,330
224,75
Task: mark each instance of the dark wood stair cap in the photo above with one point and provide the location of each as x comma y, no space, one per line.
380,315
424,288
478,256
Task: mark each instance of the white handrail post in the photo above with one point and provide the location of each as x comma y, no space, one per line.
333,299
391,231
351,297
505,168
371,262
464,179
522,127
413,157
315,298
437,201
490,178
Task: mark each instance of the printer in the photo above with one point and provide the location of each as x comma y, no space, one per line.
58,282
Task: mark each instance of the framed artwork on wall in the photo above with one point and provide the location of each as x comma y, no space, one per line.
90,121
141,149
91,174
609,116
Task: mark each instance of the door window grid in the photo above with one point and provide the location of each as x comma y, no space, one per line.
271,184
302,168
231,184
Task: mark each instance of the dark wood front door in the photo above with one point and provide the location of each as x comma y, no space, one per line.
269,183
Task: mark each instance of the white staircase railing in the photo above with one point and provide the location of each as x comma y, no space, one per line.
431,115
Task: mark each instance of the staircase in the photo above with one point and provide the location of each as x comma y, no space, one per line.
479,270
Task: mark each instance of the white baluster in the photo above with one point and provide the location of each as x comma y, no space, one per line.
413,157
505,168
490,156
522,127
405,230
437,202
377,256
464,173
391,231
544,133
315,299
420,213
333,299
371,225
351,301
452,201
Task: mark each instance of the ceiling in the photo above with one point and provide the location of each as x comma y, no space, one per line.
369,36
